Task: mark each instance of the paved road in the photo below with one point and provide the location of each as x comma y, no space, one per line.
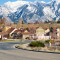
7,52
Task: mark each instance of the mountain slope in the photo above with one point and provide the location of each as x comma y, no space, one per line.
30,12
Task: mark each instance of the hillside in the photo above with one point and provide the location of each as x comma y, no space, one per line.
30,12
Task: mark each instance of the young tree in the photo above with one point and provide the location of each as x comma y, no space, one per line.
58,21
36,22
21,36
22,22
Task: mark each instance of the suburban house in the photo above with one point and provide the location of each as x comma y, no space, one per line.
27,32
26,35
9,32
47,30
6,27
58,32
40,31
37,33
53,32
41,34
2,34
17,32
47,33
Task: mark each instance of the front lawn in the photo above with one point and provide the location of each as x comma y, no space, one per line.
7,40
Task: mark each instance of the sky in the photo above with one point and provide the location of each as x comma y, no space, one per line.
4,1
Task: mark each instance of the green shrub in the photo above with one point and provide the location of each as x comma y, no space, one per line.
47,41
37,44
18,37
51,41
58,21
27,38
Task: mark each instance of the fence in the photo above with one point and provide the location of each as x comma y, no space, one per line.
40,37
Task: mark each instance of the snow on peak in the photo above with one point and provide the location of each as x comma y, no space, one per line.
16,3
57,1
13,6
37,11
48,11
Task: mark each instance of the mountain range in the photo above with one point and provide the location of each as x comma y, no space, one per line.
30,11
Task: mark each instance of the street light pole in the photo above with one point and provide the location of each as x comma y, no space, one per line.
50,36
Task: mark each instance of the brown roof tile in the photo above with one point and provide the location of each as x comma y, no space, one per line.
17,31
10,30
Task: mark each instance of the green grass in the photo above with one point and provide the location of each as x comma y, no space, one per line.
22,43
7,40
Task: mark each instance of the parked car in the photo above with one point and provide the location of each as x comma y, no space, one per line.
4,38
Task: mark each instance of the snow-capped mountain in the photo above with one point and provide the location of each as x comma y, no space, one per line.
31,12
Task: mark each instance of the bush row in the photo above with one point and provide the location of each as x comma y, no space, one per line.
37,44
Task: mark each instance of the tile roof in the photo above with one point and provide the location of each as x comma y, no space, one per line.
29,33
10,30
3,33
17,31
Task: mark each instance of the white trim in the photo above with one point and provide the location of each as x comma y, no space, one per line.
13,31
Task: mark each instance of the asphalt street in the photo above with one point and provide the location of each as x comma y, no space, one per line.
7,52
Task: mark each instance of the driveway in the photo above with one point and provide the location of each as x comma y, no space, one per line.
7,52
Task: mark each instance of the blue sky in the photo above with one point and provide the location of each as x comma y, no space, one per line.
4,1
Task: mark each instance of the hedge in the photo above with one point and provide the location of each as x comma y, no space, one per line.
37,44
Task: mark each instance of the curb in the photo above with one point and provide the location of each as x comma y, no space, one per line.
15,46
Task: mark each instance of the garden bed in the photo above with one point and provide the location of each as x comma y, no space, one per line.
47,49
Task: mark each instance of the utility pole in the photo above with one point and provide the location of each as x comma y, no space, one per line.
50,36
